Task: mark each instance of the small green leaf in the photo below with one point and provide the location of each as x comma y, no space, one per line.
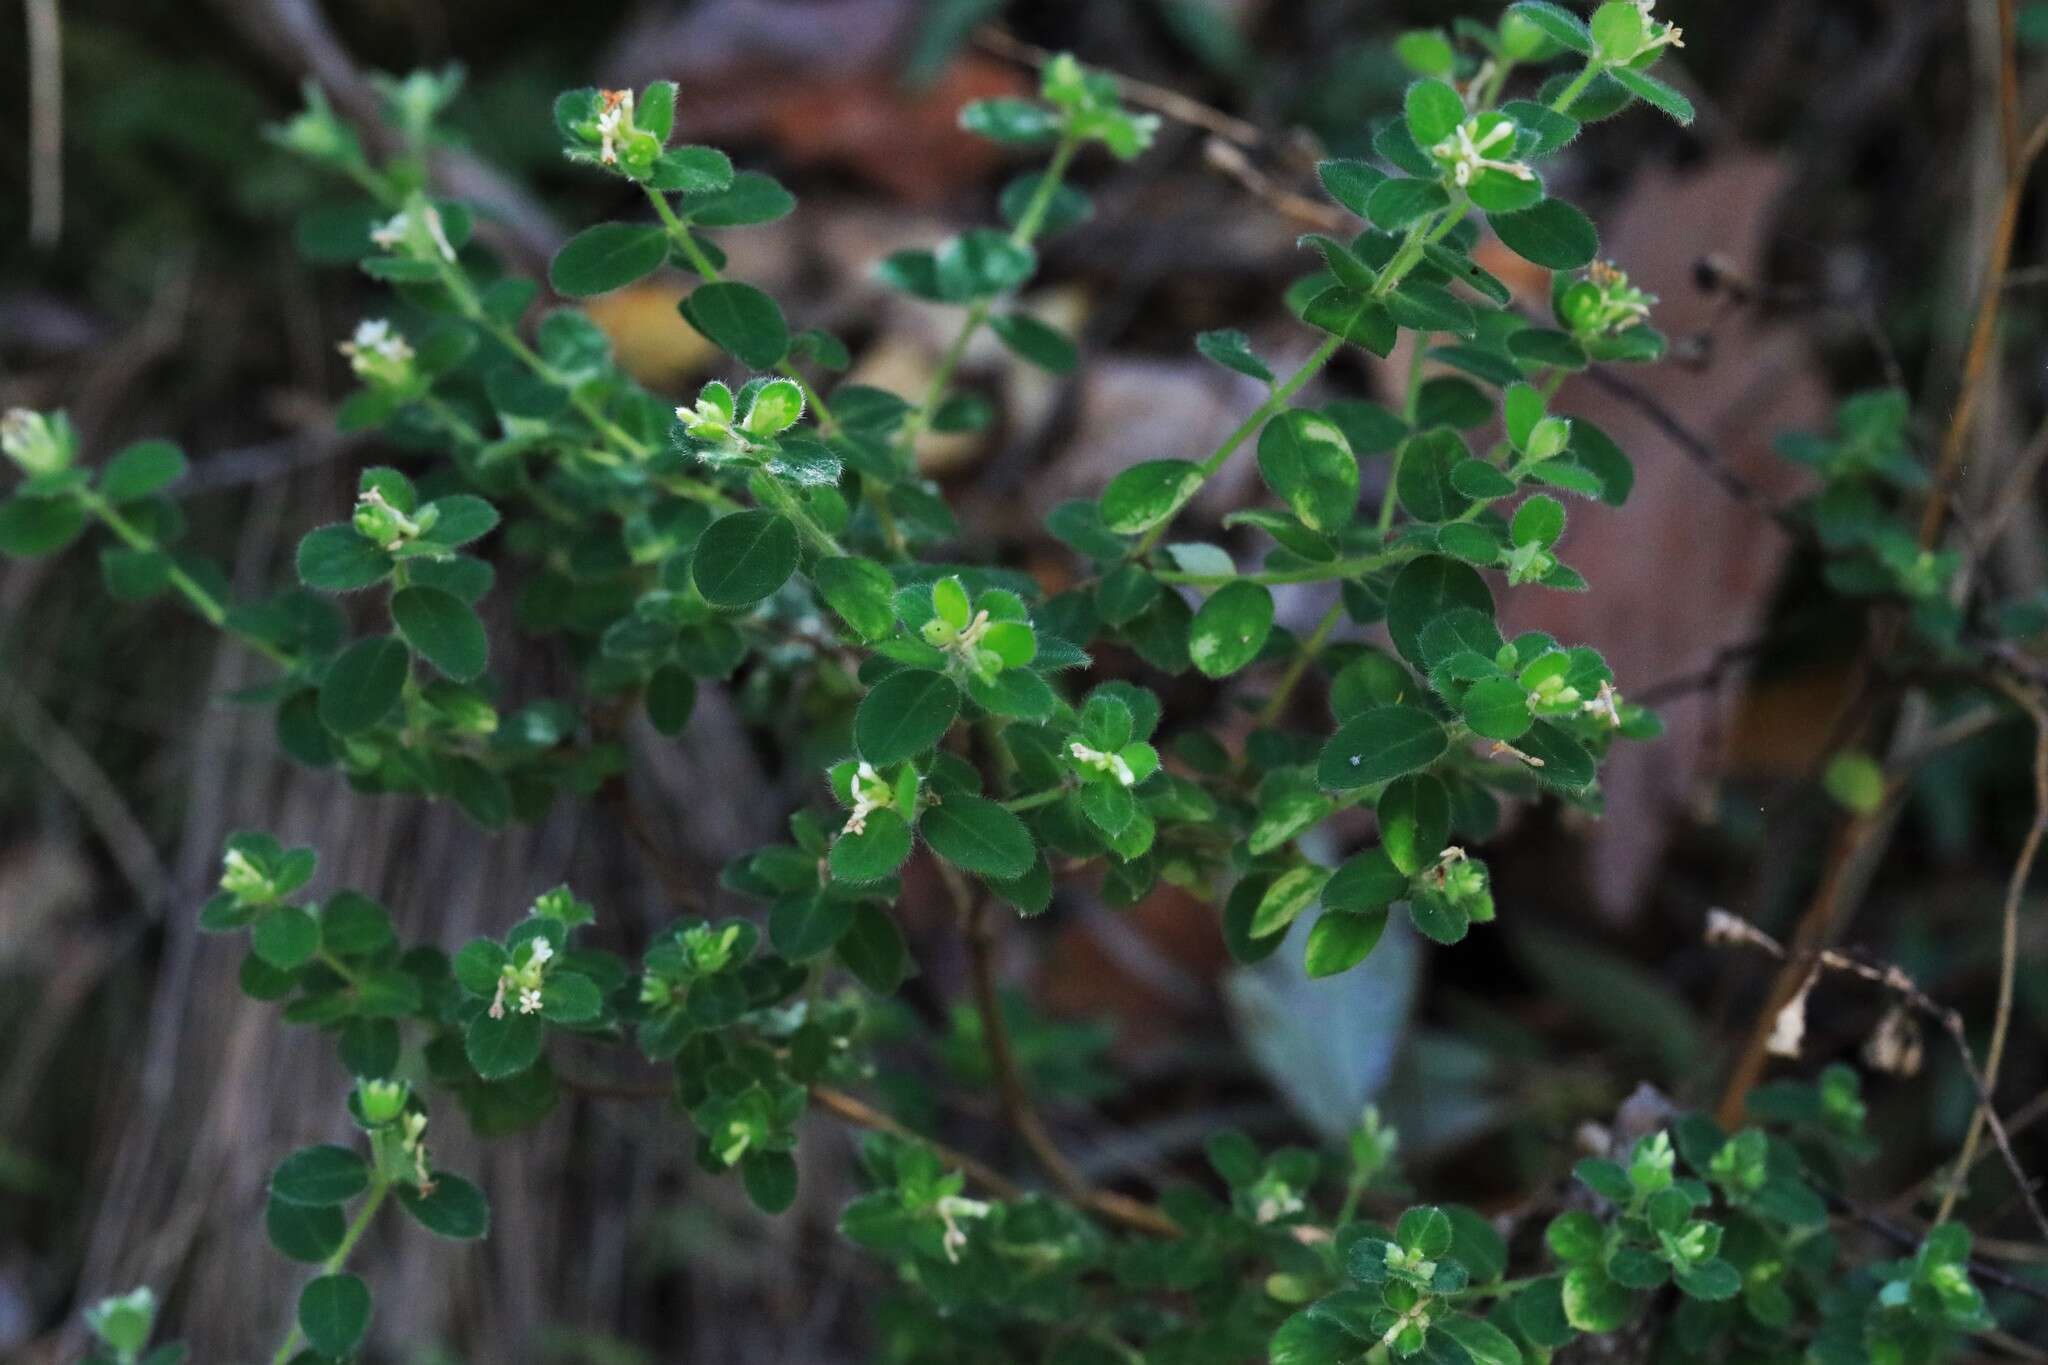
1712,1280
134,575
741,320
1594,1303
1497,708
1557,22
1434,111
1046,347
1482,1342
1425,483
1566,764
1619,31
1380,745
778,405
1415,821
671,696
861,591
770,1178
33,527
743,557
363,684
1552,234
903,715
1350,183
806,925
873,950
981,263
570,998
874,852
751,198
1148,493
1305,458
1292,892
286,937
1366,882
337,558
692,170
455,1209
442,629
1538,521
1398,203
1010,120
1856,780
1341,939
1425,589
141,470
978,835
459,518
608,256
319,1176
504,1046
1230,629
308,1233
1355,316
1652,91
1575,1237
334,1312
1425,1230
1232,350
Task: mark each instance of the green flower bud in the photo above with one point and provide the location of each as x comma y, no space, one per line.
381,1101
124,1321
41,443
316,134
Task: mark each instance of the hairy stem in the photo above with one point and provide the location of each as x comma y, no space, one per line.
204,602
379,1187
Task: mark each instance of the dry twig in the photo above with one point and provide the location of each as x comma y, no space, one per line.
1724,928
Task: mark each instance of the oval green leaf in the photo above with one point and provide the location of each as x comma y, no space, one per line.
976,834
904,714
1381,745
742,558
442,629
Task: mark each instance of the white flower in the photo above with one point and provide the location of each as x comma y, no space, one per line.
529,1001
1113,764
542,953
612,121
1606,702
395,231
950,1209
1468,157
390,234
377,351
870,794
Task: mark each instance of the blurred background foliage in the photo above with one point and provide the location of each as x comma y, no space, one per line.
1819,231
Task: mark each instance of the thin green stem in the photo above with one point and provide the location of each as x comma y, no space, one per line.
1497,1290
379,1187
1424,233
791,506
1035,800
1336,569
1033,217
1354,1191
204,602
1274,403
472,307
1028,224
679,233
1298,667
1570,94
